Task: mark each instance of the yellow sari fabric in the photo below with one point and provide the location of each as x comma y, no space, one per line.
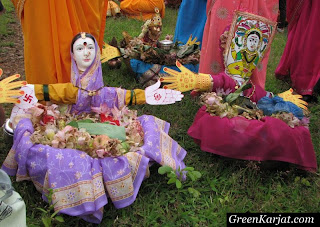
142,9
48,28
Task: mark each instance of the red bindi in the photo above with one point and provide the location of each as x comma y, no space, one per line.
85,43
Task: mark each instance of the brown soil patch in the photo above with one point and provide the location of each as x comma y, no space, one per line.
11,56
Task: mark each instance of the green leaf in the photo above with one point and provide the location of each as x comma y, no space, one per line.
46,221
113,131
54,204
233,96
214,189
43,210
125,146
305,182
194,192
85,121
190,190
192,177
197,174
172,175
164,169
212,185
188,169
59,219
73,124
172,180
178,183
55,213
146,47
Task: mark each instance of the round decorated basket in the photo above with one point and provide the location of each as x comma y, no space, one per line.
65,153
248,134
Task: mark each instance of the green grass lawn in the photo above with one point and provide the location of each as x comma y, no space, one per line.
226,185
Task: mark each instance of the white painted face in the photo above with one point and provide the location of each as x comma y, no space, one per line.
84,52
252,42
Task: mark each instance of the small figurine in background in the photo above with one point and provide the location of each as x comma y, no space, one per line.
150,33
113,9
151,30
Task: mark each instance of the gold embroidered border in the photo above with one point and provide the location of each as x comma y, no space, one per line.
85,191
134,161
46,186
22,177
118,180
39,186
123,196
121,97
178,149
78,183
56,208
166,150
123,188
161,123
79,202
10,161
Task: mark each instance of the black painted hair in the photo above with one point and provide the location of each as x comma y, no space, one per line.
254,32
79,36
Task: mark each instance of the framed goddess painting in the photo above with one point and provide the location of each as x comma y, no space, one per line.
249,38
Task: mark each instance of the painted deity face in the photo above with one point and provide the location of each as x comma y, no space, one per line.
84,52
252,42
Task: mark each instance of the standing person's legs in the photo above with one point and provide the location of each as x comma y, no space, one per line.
282,17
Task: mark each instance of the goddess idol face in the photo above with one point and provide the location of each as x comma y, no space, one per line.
253,42
84,52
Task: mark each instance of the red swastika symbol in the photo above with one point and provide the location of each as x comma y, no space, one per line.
28,98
